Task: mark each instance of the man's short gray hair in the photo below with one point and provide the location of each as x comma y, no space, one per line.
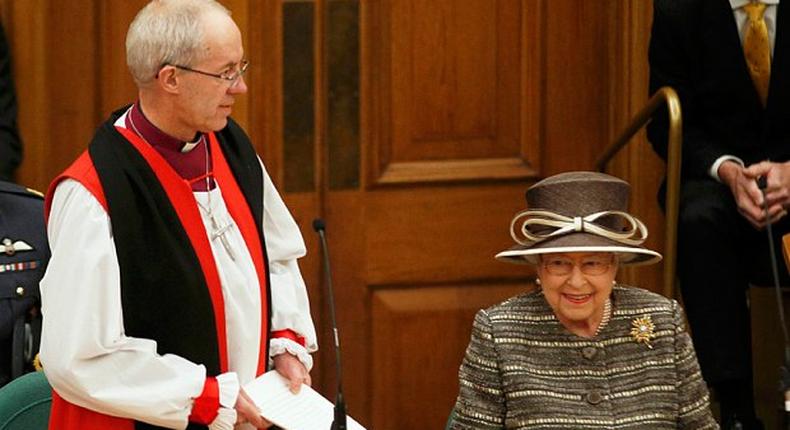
166,32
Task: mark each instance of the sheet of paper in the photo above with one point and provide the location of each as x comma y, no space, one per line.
307,410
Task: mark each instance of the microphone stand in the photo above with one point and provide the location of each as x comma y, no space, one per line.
339,422
784,370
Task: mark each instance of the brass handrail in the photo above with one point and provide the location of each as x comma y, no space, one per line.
668,96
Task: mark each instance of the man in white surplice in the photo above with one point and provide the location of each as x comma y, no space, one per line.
116,267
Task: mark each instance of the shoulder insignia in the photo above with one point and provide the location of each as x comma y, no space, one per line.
12,188
35,192
10,247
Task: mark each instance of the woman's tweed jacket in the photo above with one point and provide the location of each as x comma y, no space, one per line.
524,370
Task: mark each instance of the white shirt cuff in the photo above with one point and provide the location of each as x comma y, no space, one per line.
714,169
228,389
228,393
225,420
281,345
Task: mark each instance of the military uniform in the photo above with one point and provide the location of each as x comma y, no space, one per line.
24,253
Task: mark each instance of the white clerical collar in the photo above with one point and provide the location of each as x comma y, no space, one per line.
188,146
737,4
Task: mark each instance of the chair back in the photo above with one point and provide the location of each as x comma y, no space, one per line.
25,403
450,420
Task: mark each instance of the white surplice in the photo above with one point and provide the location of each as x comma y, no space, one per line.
92,363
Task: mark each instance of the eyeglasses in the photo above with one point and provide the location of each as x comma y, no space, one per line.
561,266
231,76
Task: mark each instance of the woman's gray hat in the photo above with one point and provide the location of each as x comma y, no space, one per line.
578,212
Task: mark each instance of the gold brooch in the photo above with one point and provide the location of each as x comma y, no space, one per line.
642,330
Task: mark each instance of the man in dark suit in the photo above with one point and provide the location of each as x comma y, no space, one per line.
10,144
24,253
729,61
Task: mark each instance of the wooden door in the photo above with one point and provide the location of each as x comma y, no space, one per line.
452,123
422,148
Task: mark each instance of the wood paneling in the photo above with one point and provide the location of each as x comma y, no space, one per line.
265,83
463,105
440,235
299,131
430,326
576,83
56,87
448,67
448,78
26,25
115,87
342,89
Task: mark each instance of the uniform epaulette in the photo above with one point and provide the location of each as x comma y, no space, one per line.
12,188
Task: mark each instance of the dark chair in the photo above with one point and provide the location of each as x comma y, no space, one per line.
448,426
25,403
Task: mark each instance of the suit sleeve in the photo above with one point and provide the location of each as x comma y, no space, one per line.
481,402
672,57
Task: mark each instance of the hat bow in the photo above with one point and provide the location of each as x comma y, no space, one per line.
559,225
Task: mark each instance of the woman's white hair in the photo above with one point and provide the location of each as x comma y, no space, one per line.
167,32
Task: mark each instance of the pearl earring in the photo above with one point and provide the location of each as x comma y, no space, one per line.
537,281
614,282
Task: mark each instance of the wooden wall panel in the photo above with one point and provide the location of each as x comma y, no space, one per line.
462,106
264,81
57,87
449,77
116,86
26,27
73,95
561,59
450,62
576,83
241,14
419,337
440,235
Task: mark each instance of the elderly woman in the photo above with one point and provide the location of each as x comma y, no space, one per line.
582,351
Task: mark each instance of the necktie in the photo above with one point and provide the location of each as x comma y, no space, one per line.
756,49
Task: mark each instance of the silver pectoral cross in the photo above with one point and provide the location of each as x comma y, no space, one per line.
219,232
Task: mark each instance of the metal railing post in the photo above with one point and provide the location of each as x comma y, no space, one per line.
668,96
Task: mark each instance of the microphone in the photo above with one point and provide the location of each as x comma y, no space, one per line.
339,422
762,182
